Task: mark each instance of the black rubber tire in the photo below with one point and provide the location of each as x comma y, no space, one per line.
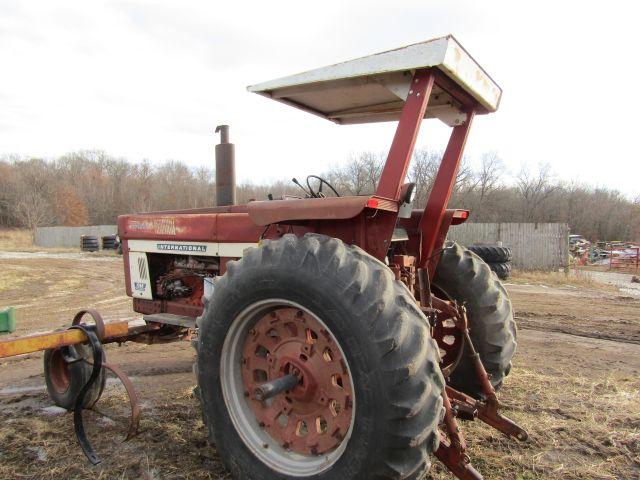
492,253
89,243
502,270
384,336
79,373
109,242
464,276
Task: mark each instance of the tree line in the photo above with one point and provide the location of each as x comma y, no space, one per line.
93,188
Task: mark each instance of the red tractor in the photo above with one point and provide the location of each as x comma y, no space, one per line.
337,337
329,325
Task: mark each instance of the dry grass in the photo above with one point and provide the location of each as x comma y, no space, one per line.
16,276
588,430
21,240
572,278
15,239
171,442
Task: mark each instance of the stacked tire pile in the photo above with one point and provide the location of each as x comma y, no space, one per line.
89,243
110,242
497,256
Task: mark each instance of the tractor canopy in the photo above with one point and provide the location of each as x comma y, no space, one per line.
374,88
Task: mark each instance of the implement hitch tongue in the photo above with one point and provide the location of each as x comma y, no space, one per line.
94,335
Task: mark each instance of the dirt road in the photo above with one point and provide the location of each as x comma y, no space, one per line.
575,386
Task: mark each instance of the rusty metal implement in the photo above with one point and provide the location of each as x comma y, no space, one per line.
95,335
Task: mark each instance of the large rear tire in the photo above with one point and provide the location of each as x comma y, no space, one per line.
388,367
465,277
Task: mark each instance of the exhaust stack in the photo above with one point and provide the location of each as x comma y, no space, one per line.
225,169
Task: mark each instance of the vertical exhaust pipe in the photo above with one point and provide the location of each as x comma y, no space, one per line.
225,169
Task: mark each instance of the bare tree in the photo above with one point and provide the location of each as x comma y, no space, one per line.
535,189
94,187
491,168
423,171
32,211
359,175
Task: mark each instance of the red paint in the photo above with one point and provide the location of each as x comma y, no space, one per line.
331,208
395,168
434,211
365,221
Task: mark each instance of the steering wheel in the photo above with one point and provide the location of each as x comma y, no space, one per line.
318,193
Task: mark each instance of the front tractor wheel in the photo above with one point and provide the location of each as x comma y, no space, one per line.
366,399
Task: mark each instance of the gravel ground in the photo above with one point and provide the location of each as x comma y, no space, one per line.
97,256
620,280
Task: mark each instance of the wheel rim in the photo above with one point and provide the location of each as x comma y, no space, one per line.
448,337
303,431
59,371
449,340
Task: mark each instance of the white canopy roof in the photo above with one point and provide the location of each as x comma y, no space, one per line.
373,88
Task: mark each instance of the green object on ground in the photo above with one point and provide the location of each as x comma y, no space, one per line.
7,320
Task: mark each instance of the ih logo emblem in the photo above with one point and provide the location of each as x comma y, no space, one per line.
177,247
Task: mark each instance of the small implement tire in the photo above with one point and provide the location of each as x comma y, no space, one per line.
492,253
64,381
502,270
332,314
465,277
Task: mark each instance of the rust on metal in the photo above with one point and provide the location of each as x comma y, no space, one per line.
59,371
454,433
487,411
45,341
449,340
225,169
97,319
458,463
133,399
424,286
488,408
314,415
444,330
452,449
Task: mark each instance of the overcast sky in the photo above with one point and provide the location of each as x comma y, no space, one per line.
153,79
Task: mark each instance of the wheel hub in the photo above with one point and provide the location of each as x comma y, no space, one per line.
59,371
314,416
449,340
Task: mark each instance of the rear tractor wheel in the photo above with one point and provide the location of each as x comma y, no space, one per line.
367,401
463,276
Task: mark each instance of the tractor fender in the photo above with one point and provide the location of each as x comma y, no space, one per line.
329,208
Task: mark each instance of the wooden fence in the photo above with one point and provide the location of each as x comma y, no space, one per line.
69,237
535,246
